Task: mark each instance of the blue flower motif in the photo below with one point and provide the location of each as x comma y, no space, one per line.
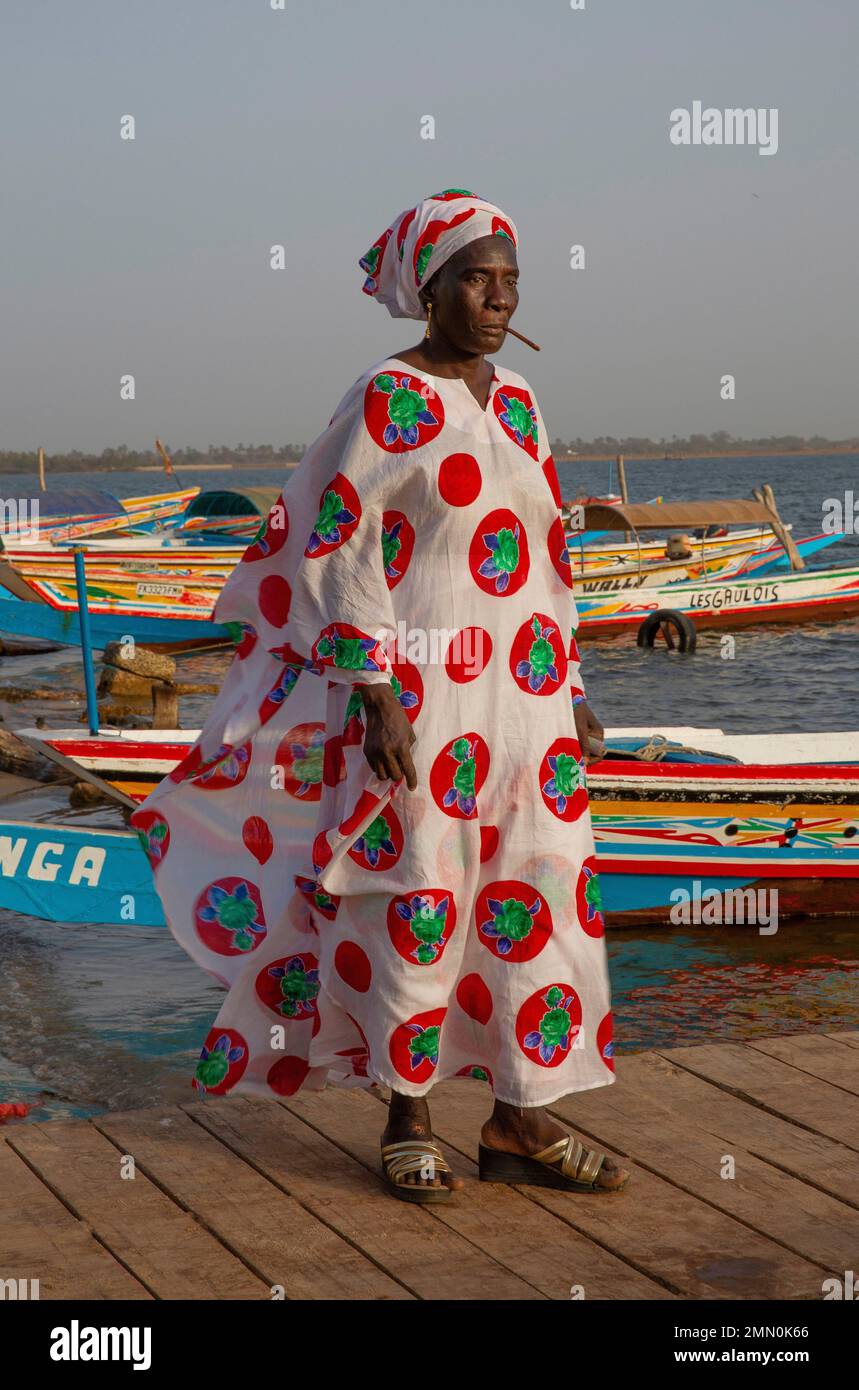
232,1054
419,1057
408,432
430,936
228,764
299,752
547,1046
540,663
372,848
284,687
490,568
387,537
491,929
327,528
552,790
509,420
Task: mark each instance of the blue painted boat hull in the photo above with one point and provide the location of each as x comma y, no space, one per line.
63,873
23,619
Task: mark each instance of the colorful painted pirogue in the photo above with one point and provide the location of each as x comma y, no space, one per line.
785,817
69,873
809,596
822,769
69,514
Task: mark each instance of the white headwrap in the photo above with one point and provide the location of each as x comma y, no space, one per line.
420,240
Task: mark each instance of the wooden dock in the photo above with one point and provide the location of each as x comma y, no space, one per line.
234,1197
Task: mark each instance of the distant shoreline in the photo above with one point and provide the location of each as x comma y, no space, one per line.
709,454
286,464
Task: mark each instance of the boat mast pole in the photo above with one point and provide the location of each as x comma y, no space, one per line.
86,642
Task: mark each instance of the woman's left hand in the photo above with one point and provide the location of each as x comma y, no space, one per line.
589,730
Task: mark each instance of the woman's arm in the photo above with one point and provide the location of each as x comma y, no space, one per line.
389,735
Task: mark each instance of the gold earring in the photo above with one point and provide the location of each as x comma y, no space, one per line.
429,318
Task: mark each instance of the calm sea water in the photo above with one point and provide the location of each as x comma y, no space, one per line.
99,1017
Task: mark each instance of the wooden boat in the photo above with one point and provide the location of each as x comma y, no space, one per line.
65,873
821,768
69,873
724,564
592,540
650,864
67,514
168,623
151,593
229,512
742,601
802,595
133,761
679,765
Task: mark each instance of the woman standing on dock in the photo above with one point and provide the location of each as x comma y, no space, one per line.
380,843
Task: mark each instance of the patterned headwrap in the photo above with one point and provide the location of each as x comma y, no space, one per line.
420,240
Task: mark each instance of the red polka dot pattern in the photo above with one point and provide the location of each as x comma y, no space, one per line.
353,966
459,480
274,597
473,997
468,654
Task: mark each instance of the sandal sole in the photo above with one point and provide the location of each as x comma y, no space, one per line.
423,1197
496,1166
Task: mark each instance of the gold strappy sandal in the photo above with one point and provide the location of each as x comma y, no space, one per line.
414,1156
565,1165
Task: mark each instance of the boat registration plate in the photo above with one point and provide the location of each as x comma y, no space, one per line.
160,590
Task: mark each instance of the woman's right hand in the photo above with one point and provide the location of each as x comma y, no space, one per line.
389,735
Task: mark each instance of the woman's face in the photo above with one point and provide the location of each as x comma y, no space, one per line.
474,294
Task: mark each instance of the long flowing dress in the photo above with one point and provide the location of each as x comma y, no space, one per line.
367,933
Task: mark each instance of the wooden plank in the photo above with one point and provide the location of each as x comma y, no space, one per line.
163,1246
815,1055
676,1139
532,1243
280,1241
426,1257
779,1088
40,1239
668,1234
850,1039
813,1158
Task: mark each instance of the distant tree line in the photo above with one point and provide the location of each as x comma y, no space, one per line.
693,445
121,458
266,455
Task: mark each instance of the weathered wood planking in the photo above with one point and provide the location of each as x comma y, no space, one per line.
233,1197
423,1255
270,1231
531,1243
816,1055
40,1239
670,1235
821,1162
686,1141
163,1246
851,1039
782,1089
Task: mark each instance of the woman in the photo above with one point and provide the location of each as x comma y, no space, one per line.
380,843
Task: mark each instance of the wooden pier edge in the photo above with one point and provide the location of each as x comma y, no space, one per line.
745,1163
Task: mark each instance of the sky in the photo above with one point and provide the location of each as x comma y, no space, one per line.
302,126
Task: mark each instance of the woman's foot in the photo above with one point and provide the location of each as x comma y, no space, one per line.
528,1130
409,1118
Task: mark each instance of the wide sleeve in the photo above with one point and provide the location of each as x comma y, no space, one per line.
312,587
550,473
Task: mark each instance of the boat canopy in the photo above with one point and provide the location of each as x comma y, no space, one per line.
662,516
76,504
249,501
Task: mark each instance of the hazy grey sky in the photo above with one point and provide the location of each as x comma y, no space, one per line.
256,126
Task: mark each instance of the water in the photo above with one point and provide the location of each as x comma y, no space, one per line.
110,1017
